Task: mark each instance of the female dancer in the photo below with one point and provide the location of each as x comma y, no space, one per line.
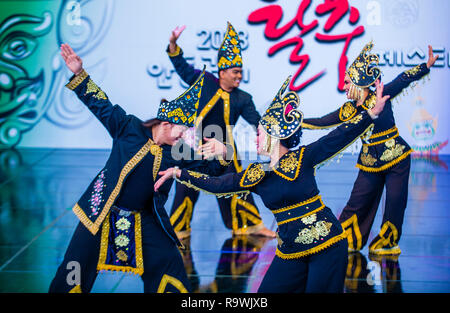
123,224
311,254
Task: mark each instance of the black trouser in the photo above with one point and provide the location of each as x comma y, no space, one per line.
365,198
320,272
163,266
237,214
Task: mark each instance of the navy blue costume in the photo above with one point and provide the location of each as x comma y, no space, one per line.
311,255
123,223
217,107
384,160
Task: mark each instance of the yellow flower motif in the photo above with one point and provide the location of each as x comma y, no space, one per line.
123,224
121,241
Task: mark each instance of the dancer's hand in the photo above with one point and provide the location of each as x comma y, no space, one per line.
174,37
212,148
166,175
73,61
431,57
381,101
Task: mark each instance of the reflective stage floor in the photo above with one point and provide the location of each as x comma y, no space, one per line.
38,188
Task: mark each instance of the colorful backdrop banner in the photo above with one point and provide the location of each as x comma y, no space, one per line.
123,47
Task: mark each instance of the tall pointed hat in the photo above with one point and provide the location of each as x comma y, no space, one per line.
229,54
364,71
183,110
282,118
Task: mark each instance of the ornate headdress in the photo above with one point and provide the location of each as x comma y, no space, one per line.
183,110
282,118
364,70
229,54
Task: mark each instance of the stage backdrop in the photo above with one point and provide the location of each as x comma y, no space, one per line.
123,43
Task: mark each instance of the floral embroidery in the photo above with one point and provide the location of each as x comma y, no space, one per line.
97,194
121,240
289,164
252,175
347,111
393,150
366,158
308,235
123,224
309,219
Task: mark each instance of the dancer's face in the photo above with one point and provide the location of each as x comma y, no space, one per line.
230,78
171,133
260,140
347,86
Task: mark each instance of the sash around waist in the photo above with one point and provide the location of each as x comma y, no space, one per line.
298,210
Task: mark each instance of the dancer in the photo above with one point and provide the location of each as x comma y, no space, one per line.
221,104
123,224
311,255
384,159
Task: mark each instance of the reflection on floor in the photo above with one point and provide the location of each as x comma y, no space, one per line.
38,187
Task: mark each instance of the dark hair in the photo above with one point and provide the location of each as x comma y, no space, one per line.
151,122
293,140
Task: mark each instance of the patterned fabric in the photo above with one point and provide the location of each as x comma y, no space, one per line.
121,243
364,71
183,110
282,119
229,54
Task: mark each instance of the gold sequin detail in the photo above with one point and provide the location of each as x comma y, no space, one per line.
197,174
414,71
157,152
308,235
289,164
393,150
347,111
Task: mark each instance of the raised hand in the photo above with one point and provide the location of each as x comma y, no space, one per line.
73,61
174,37
381,101
431,57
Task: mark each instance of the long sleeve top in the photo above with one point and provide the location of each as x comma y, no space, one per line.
217,108
385,147
128,177
290,191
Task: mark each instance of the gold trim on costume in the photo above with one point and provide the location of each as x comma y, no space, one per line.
313,250
368,129
139,269
76,289
347,111
253,174
186,206
288,163
157,152
351,226
176,53
167,279
219,195
385,166
93,227
77,80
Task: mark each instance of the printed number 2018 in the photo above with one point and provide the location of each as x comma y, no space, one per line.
213,39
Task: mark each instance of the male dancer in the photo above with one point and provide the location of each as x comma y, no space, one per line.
221,104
